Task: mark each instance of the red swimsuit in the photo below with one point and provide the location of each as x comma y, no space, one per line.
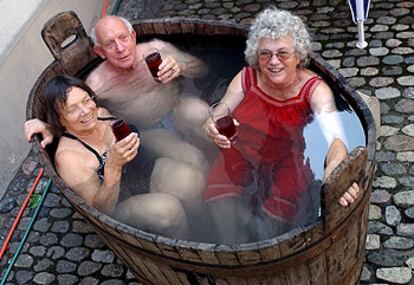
268,156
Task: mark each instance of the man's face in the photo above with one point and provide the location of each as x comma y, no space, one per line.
116,43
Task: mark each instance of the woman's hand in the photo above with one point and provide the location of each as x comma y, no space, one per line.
336,153
350,195
36,126
123,151
168,69
214,135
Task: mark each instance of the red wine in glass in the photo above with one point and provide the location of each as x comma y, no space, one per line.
120,129
153,61
226,126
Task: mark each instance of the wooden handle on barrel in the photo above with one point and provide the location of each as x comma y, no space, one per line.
352,168
67,40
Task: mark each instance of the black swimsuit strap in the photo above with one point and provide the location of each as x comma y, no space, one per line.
91,149
110,118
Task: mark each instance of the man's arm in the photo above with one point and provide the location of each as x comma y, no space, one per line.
95,80
183,63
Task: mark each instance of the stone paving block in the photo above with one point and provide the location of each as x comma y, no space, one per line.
61,249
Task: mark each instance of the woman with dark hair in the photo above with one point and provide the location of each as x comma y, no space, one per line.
90,160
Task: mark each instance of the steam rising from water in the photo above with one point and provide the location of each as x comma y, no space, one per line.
243,219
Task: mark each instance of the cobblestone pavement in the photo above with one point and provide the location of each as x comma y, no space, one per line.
63,249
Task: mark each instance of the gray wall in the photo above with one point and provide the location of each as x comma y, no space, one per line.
23,56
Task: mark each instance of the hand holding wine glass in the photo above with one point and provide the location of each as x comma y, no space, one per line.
221,127
153,60
126,146
120,129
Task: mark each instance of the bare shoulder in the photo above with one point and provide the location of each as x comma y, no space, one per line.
95,78
76,172
99,76
235,83
234,93
154,43
65,156
322,88
306,73
73,163
322,97
159,44
69,151
103,112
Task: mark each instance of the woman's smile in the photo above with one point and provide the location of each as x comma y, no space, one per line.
275,70
87,121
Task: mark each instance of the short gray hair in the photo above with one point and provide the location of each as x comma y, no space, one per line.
127,23
275,23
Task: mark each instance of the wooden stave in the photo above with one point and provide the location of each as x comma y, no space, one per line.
188,252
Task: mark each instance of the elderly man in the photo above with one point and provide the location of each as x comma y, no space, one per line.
126,87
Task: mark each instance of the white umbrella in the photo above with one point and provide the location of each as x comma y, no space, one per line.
359,11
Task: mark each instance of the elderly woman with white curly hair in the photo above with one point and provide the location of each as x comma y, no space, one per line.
262,177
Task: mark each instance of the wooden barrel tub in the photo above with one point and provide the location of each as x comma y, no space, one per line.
330,251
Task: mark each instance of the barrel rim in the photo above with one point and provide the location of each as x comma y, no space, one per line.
355,101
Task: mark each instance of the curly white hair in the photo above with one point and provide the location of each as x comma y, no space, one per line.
275,23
